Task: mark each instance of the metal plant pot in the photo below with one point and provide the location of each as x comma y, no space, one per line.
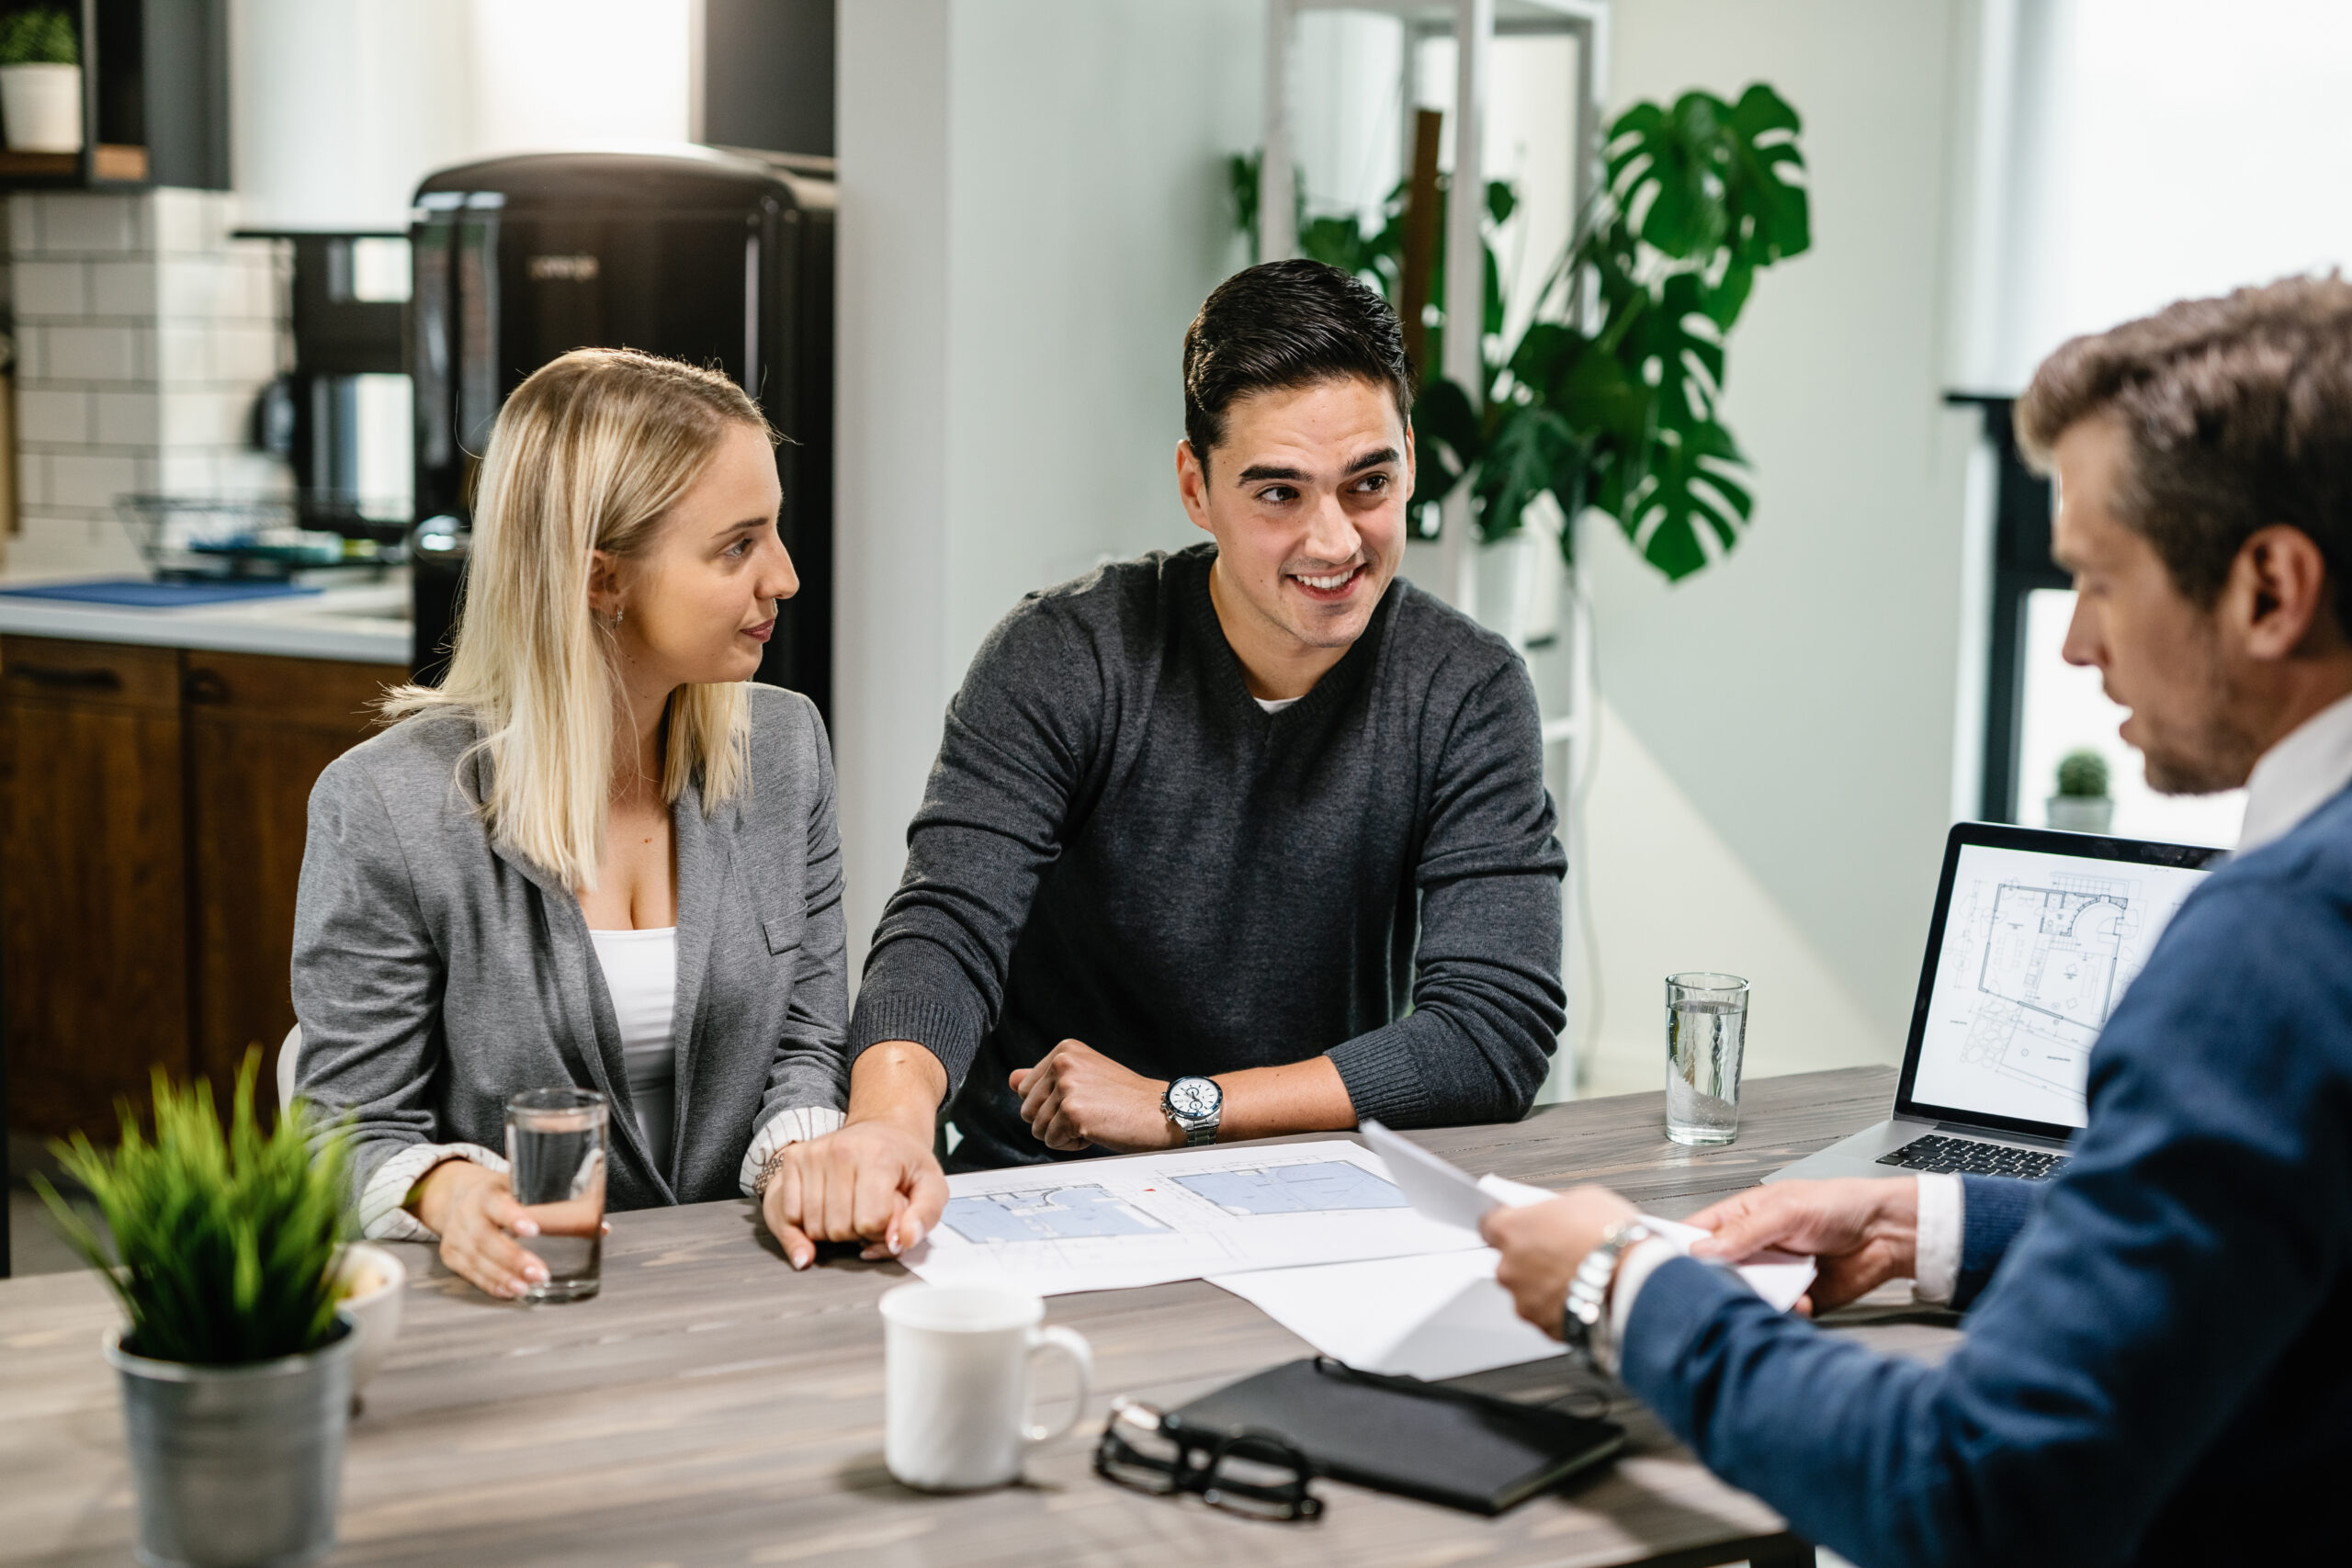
236,1467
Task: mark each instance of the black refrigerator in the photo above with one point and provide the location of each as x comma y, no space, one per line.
720,258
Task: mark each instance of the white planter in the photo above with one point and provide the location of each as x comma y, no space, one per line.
1517,589
2081,813
41,107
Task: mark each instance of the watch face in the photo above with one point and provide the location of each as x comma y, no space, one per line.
1194,1097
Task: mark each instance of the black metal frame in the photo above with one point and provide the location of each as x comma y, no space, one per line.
2021,564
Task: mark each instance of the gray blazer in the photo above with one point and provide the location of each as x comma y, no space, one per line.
436,972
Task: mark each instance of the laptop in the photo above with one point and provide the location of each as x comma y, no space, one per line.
2036,936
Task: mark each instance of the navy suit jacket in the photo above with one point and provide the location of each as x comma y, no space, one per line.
2157,1362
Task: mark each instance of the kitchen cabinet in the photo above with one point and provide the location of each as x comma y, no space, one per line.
152,820
93,883
258,731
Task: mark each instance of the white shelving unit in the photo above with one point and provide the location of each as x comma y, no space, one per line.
1474,25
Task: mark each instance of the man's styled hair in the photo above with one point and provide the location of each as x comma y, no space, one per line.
2237,414
1282,325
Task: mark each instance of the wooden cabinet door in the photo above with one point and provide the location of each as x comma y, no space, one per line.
92,889
260,730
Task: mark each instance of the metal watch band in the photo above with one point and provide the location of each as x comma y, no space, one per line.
1584,1316
1198,1130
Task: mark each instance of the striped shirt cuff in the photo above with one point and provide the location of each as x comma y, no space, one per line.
797,1125
382,1217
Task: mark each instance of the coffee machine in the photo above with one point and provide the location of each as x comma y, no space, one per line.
718,257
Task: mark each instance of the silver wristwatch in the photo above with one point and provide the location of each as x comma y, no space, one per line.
1194,1105
1587,1310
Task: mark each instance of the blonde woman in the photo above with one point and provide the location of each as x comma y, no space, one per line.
596,855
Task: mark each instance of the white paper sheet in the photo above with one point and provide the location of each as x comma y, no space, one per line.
1423,1317
1109,1224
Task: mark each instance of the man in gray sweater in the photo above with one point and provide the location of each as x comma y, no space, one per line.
1245,839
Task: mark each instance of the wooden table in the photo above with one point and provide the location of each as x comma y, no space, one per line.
712,1406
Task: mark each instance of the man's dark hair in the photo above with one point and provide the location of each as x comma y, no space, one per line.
1285,324
2237,414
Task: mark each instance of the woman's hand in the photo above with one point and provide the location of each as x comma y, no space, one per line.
874,1183
475,1212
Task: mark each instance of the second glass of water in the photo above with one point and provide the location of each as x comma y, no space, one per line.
555,1148
1706,1031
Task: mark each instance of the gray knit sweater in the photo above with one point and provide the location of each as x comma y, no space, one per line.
1117,845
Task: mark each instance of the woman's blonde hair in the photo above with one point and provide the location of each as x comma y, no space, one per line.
589,453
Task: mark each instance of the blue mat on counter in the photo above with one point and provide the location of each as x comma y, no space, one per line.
137,593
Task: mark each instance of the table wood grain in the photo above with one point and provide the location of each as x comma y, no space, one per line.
712,1406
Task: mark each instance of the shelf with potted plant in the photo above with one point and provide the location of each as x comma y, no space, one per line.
114,94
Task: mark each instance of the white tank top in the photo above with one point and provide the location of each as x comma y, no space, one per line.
642,974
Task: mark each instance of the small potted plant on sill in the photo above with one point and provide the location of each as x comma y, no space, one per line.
2082,804
40,81
235,1364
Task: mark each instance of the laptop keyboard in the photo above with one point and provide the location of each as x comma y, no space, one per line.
1967,1156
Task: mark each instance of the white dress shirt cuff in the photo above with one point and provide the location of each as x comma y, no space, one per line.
797,1125
382,1217
1936,1271
1633,1269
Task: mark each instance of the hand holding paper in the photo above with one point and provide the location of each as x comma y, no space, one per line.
1447,1194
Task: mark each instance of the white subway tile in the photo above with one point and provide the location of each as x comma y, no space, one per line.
245,354
198,288
33,479
51,288
189,223
184,354
93,354
52,417
190,472
94,480
24,223
192,418
123,288
89,222
32,357
127,419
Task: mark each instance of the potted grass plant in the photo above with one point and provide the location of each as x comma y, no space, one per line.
40,81
2082,804
235,1364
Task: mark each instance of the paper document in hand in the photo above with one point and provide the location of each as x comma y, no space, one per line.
1106,1225
1447,1194
1422,1317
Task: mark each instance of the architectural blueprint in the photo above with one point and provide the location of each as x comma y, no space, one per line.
1107,1223
2037,951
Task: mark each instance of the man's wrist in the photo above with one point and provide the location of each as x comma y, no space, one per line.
900,1083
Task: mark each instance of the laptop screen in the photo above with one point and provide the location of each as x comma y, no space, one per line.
2036,938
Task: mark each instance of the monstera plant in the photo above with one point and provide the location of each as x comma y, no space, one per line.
1615,405
1609,399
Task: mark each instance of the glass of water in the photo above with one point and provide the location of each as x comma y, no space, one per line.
555,1146
1706,1030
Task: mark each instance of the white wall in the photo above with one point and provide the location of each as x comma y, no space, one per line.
341,106
1033,207
1781,743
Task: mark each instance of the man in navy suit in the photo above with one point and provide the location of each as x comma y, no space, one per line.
2158,1359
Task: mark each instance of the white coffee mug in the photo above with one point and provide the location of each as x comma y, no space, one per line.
959,1360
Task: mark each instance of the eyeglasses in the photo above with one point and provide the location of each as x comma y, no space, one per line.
1250,1472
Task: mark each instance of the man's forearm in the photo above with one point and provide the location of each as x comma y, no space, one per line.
899,1082
1297,1097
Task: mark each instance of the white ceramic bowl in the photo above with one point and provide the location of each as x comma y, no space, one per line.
373,1279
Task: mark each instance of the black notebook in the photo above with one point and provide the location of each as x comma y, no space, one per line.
1419,1439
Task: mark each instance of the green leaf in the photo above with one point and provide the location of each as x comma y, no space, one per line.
1530,445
